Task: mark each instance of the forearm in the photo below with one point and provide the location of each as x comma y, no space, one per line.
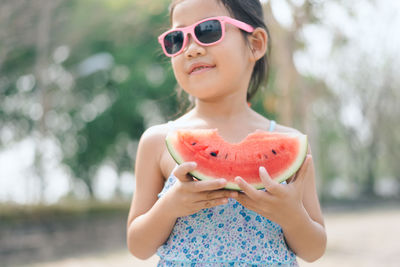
306,237
149,231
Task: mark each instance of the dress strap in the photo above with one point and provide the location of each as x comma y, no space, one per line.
170,125
272,125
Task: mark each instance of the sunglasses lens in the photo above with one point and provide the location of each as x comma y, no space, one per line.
209,31
173,42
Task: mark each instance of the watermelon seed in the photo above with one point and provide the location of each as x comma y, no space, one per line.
265,156
214,154
273,151
226,155
193,143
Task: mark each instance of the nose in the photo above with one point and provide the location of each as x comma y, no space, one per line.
193,49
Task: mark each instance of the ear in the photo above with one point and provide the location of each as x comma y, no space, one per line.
258,41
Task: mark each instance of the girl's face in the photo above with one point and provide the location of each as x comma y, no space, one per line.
211,72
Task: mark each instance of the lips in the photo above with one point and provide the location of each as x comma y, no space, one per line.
199,67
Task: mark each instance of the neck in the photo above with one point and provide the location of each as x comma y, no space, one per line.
222,110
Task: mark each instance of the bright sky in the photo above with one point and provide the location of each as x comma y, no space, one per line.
373,30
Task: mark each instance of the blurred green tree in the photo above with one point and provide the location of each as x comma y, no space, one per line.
83,73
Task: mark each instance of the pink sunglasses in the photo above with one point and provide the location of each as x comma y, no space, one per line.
205,32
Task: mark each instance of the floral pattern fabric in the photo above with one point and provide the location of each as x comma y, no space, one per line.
226,235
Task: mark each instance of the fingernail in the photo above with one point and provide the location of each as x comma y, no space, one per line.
238,179
262,169
194,164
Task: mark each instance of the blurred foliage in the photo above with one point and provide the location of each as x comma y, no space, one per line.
125,33
87,81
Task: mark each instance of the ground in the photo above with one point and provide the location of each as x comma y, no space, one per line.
356,238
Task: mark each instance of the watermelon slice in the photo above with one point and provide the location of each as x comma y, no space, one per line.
280,153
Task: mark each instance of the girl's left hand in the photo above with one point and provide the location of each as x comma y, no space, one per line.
280,202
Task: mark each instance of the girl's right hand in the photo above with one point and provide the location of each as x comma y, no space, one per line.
187,196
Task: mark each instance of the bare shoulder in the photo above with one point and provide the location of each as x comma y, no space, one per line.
153,138
153,151
262,122
155,133
285,129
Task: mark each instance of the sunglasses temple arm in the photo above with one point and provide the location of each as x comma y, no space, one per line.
241,25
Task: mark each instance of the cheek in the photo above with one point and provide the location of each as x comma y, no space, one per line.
177,67
235,51
235,64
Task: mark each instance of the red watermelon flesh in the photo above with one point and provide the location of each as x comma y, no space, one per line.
280,153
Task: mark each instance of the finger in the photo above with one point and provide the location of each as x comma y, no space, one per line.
211,203
270,185
182,170
246,188
245,201
209,185
242,198
303,171
210,195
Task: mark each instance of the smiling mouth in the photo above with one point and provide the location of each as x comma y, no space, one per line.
201,69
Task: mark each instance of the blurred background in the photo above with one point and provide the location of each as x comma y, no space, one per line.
81,80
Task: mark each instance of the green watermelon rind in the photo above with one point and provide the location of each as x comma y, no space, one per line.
233,186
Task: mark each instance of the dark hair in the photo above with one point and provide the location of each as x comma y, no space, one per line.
250,12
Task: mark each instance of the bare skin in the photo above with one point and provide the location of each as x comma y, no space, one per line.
220,103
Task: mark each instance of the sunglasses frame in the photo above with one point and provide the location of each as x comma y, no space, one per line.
190,29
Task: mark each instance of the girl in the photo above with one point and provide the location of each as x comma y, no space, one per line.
218,54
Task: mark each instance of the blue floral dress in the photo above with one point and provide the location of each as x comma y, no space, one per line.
226,235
